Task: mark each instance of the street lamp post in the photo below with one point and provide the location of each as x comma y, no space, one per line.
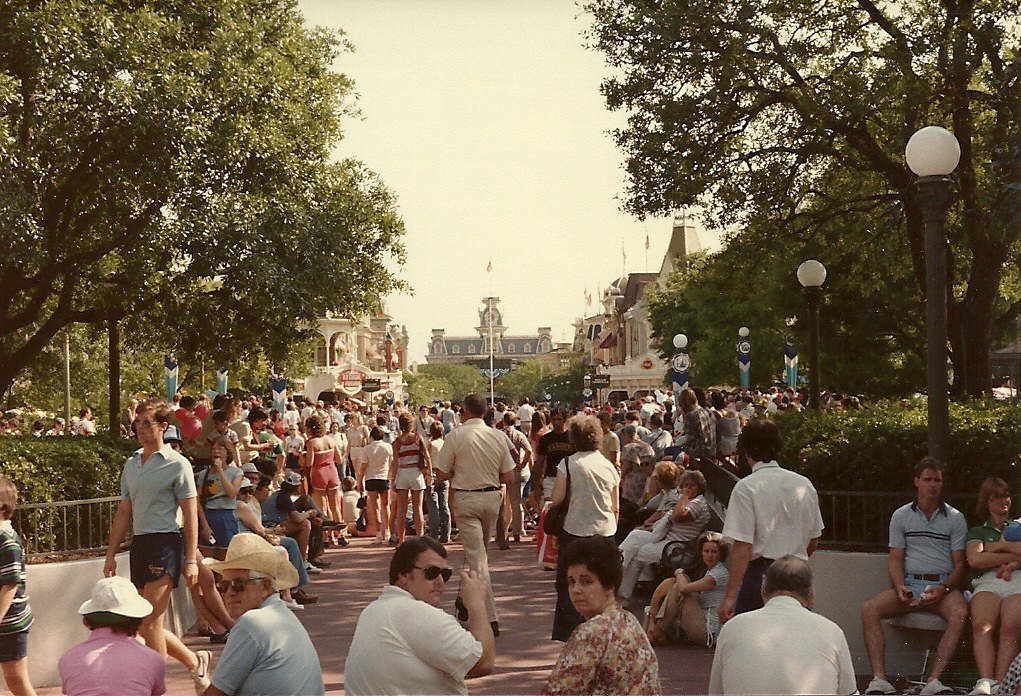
932,154
744,356
811,275
681,364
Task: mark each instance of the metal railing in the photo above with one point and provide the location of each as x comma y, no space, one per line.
65,528
860,520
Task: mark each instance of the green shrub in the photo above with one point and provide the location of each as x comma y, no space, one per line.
52,469
875,449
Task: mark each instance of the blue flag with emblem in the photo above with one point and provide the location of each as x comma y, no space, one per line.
221,380
790,361
279,386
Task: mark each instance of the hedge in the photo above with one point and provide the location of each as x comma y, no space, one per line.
875,449
51,469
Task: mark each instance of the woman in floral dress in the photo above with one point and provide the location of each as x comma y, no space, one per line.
609,653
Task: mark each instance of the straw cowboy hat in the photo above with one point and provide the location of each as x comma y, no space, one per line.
252,552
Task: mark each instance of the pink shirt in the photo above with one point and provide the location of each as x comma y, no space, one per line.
109,662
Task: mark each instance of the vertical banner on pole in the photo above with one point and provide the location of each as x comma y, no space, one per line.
744,362
170,375
790,360
681,365
279,386
221,380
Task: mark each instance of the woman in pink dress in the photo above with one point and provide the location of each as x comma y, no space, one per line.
320,457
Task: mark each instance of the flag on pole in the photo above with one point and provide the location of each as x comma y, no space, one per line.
489,268
588,298
170,373
278,385
646,242
221,380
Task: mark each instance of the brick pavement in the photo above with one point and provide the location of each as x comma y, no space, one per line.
525,601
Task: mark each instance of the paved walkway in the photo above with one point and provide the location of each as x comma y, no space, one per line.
525,601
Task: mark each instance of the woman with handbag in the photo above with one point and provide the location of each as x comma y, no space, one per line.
689,517
414,473
586,485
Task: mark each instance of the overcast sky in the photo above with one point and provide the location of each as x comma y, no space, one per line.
485,118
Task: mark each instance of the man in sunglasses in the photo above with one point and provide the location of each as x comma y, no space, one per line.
405,644
268,651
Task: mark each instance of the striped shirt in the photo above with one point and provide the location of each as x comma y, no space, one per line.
928,543
12,572
409,455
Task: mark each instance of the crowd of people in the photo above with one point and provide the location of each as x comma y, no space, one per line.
239,500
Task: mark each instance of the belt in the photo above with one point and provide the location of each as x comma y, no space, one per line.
487,489
926,576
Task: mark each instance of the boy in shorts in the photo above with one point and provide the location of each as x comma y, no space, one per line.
14,608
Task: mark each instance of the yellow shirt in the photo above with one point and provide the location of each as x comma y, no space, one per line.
474,455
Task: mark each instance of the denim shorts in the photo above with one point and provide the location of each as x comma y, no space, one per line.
377,485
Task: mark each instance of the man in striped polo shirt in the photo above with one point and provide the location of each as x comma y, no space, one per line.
14,609
927,565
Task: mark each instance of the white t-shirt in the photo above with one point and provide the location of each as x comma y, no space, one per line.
86,426
593,480
404,646
295,444
377,455
291,418
525,413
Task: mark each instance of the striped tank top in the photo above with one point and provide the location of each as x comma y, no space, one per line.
409,455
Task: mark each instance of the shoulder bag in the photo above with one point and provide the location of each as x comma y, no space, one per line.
553,523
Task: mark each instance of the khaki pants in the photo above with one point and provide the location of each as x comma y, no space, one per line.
476,515
667,602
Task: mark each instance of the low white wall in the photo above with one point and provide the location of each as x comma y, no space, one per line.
55,591
842,582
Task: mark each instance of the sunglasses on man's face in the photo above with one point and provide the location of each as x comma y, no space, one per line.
237,584
433,572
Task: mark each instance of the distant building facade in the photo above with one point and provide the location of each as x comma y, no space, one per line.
508,349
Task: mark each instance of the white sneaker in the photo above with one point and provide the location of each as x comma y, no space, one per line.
936,687
880,686
985,686
200,675
293,606
312,570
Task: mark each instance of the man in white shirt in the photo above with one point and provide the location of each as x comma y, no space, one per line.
405,644
525,413
783,648
773,512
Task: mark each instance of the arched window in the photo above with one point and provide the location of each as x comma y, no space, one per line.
456,350
510,347
528,347
471,347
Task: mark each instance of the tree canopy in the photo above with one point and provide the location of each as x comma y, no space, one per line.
790,119
168,164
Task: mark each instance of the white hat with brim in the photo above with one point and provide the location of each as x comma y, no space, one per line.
251,552
116,595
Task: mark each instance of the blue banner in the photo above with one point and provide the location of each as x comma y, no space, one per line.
279,386
221,380
744,362
681,365
170,373
790,361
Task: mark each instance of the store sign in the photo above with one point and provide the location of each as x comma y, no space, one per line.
350,382
370,386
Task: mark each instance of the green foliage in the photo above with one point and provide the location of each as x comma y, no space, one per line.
168,164
51,469
565,385
444,382
523,380
875,449
790,121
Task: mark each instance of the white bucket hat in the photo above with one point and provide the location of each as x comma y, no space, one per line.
116,595
252,552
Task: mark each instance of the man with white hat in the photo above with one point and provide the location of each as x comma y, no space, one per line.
268,651
111,659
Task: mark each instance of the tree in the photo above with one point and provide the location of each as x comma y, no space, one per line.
166,164
764,110
566,384
446,382
523,380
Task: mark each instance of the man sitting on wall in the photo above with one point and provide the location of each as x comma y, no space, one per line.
926,566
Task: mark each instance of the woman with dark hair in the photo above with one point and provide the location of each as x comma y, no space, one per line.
694,598
592,510
321,455
218,486
609,653
997,598
414,473
374,478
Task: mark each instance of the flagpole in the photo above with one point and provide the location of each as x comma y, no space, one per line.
489,314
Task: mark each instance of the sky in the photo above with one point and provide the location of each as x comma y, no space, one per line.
485,118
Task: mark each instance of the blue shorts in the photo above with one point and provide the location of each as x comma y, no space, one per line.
154,555
377,485
917,587
224,524
13,646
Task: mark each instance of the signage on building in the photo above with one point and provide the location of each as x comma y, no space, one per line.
370,385
350,382
600,381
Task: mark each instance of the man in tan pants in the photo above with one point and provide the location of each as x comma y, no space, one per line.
476,460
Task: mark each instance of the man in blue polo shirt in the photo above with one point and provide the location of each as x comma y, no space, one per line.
927,565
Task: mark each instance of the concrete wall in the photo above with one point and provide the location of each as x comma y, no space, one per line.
842,582
55,591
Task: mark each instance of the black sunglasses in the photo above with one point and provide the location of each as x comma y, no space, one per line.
237,584
433,572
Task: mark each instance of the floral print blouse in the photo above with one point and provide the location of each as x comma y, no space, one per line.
608,654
